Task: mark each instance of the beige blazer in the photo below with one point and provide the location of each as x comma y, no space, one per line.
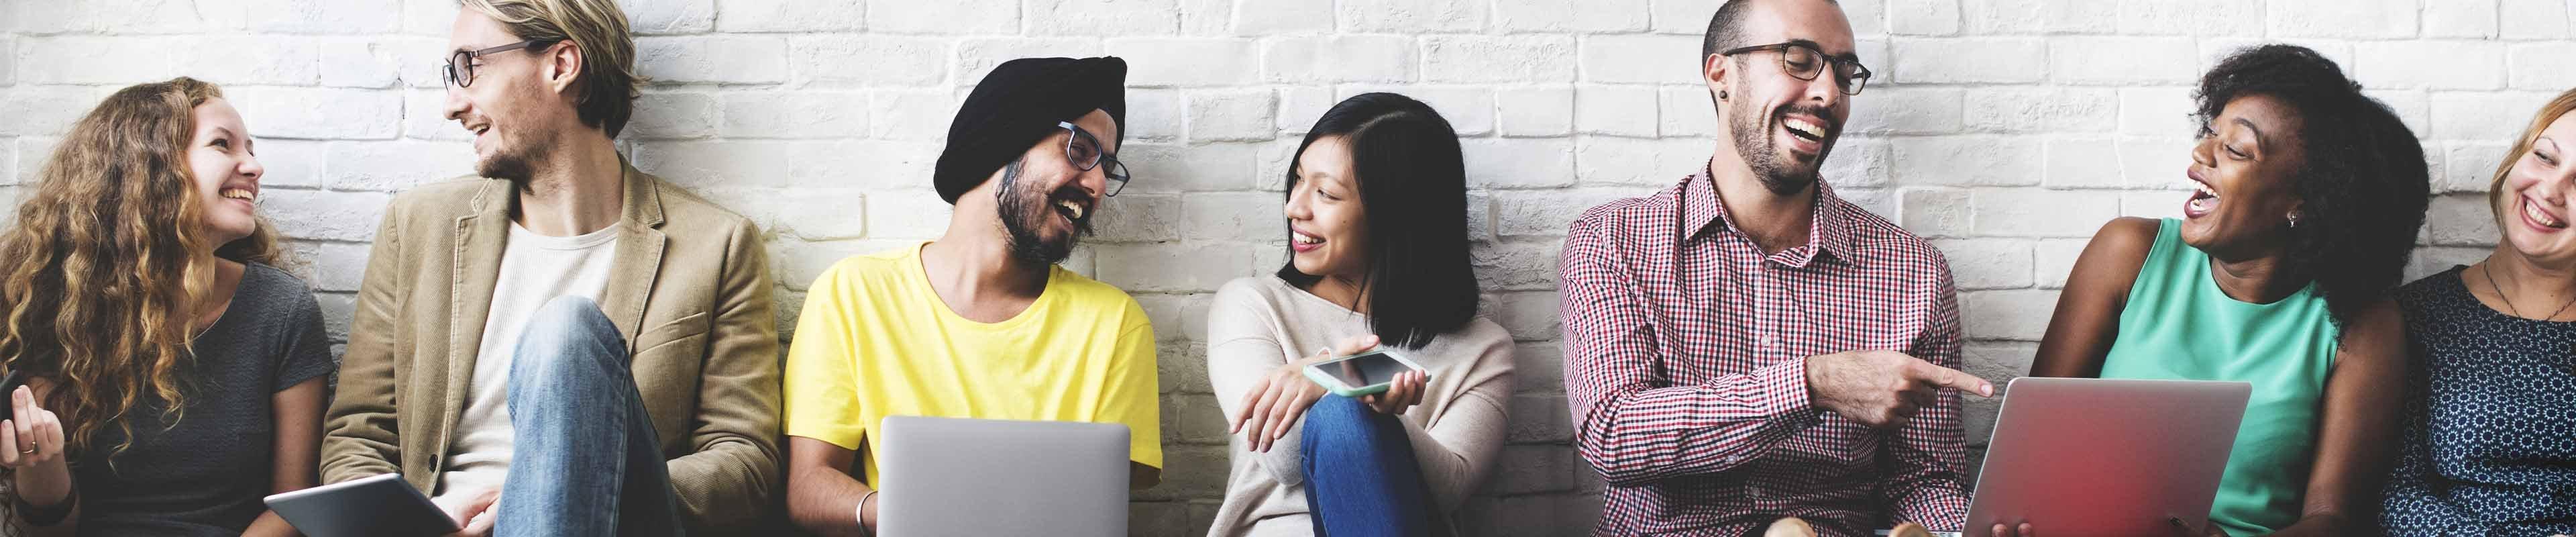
690,291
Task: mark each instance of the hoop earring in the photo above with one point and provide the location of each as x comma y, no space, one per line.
2294,220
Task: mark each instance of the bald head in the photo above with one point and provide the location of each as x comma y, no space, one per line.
1726,29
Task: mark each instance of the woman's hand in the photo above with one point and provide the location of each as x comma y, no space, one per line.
1401,393
31,442
1275,402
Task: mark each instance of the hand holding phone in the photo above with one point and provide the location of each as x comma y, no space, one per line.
1362,374
1277,400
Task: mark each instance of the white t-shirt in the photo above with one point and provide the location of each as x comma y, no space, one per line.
534,269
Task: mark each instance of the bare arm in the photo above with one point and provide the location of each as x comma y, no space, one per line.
298,447
822,496
2354,433
2087,320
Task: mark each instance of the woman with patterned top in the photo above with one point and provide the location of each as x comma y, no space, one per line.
2485,447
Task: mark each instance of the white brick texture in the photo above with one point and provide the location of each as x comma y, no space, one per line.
2006,131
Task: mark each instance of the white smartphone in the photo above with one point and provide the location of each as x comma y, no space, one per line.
1360,374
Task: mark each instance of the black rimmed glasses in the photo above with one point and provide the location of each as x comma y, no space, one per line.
1084,151
1805,62
460,66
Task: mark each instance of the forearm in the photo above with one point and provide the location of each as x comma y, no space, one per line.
1235,364
725,485
825,501
2320,524
1448,473
1653,434
1940,504
1458,453
44,484
69,526
269,525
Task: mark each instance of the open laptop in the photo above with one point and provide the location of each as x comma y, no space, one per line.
955,476
2077,456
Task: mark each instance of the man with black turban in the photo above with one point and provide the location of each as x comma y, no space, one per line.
980,323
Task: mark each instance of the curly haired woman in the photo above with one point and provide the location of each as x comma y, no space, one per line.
2306,202
174,376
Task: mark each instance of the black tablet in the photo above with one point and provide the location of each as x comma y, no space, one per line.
377,505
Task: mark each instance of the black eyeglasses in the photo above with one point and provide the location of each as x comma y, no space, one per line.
460,66
1805,62
1083,150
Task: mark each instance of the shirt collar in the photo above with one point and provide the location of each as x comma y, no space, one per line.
1828,231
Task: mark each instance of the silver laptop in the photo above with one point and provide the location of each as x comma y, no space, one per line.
954,476
2106,456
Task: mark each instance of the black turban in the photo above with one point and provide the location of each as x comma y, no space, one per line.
1017,105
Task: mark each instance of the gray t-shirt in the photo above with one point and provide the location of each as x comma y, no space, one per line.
206,475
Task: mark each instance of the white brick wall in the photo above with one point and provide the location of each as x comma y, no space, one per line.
2004,130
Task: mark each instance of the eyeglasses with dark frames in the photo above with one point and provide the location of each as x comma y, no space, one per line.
1084,150
460,66
1805,62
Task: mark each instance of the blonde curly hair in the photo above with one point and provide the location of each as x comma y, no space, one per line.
104,271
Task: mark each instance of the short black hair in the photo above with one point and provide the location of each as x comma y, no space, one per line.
1413,190
1726,29
2363,186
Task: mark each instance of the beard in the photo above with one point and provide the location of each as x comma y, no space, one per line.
516,163
1781,174
1026,213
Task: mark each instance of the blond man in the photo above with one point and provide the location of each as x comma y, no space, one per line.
560,345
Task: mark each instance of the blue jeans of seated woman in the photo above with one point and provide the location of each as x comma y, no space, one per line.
1361,477
585,460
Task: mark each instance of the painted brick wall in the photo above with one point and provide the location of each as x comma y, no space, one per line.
2006,131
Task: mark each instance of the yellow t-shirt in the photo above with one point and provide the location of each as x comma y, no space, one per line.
876,341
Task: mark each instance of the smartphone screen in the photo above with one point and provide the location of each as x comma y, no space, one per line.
1364,370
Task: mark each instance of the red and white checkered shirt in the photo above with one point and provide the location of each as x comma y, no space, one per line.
1685,367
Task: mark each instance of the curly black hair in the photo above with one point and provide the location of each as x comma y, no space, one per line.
2363,187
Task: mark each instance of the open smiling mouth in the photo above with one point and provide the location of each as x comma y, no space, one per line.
2532,212
1804,130
2203,198
1070,210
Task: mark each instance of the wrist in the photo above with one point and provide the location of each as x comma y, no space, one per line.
47,514
44,485
867,517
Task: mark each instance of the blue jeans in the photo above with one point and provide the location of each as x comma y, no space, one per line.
1361,477
585,461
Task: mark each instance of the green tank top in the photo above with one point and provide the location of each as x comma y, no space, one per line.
2179,326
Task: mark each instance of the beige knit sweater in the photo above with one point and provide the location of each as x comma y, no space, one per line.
1259,323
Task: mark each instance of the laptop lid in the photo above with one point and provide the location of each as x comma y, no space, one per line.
2076,456
957,476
